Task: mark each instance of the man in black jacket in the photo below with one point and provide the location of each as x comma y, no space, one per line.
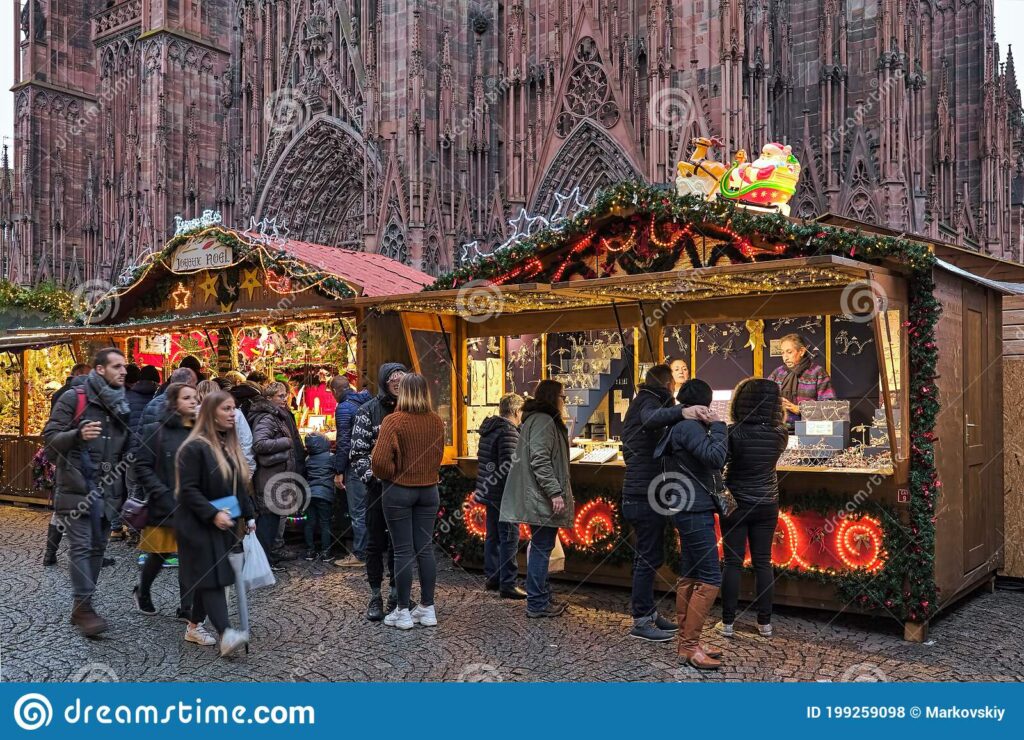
365,429
55,532
87,441
499,438
647,511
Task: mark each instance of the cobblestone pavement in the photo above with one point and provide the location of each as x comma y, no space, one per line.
309,627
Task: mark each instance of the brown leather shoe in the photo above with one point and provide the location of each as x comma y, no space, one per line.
84,617
699,599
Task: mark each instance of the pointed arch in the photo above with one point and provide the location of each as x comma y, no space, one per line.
590,160
316,184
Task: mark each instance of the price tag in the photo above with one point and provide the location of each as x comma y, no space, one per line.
818,428
903,496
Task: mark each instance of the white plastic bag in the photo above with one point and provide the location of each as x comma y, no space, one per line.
556,561
256,570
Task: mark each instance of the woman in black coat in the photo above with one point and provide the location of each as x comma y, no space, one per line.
280,460
694,454
211,467
155,472
757,439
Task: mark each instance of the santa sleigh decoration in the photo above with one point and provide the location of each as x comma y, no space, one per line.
766,184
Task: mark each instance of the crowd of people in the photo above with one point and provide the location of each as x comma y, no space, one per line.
204,454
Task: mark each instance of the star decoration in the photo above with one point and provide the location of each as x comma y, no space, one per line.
209,285
470,251
250,281
182,297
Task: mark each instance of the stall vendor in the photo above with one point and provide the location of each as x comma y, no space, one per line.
318,398
799,377
680,372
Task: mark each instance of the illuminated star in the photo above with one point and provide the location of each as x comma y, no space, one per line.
466,256
250,281
209,285
182,297
520,224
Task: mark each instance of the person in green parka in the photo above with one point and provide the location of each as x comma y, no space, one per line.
538,491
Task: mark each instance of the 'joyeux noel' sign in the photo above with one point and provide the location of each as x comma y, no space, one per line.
201,254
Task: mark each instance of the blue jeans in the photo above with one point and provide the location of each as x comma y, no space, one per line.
698,552
266,530
538,592
500,549
355,493
649,553
319,514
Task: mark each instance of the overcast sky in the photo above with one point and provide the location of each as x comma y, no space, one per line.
1009,30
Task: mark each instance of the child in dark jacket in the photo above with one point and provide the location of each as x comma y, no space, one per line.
499,437
320,476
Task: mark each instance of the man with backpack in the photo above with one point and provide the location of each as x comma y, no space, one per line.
87,438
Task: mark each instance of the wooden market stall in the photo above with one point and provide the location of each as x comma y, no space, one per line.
236,300
643,276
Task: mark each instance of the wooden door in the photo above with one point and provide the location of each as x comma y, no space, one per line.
974,496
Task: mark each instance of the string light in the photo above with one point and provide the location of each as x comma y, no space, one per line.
596,526
853,536
474,514
182,297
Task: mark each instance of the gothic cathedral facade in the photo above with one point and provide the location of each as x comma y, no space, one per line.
408,127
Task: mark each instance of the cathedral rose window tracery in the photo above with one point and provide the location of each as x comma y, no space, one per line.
587,93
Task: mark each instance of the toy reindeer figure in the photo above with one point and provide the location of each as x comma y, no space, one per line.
700,175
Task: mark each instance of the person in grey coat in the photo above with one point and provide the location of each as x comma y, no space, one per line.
88,450
538,491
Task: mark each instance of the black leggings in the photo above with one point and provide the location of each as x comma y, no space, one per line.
212,603
151,568
378,544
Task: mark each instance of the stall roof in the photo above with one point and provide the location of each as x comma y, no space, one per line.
31,339
375,274
1002,286
977,263
777,276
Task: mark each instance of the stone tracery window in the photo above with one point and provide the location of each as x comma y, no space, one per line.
393,245
587,93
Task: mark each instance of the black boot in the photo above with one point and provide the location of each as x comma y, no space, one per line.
53,537
375,609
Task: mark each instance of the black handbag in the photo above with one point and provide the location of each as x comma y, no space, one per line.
721,496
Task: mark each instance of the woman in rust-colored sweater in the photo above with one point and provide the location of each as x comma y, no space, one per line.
406,459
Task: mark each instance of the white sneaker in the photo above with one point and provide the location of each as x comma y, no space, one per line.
400,618
765,630
725,630
424,615
199,635
232,640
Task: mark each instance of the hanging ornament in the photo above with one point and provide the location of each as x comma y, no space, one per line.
182,297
